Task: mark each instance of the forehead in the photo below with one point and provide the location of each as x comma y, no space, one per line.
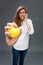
23,10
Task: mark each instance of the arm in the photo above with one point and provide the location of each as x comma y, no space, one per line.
10,41
29,25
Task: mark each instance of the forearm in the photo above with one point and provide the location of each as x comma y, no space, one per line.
28,26
10,41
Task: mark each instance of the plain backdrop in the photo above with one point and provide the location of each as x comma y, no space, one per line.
35,12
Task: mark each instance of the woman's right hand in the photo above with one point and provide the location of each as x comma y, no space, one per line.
10,41
12,24
8,26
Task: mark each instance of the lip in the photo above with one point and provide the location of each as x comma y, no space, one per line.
23,16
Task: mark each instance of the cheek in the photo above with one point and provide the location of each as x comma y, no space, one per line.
22,15
19,15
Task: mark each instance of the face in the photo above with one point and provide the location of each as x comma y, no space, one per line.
22,14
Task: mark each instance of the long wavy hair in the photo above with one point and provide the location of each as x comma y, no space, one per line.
16,18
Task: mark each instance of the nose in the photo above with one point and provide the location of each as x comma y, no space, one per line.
23,14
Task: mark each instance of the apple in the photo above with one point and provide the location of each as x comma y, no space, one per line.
14,32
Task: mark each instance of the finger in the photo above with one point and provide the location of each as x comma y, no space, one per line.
6,33
6,28
9,24
26,15
14,24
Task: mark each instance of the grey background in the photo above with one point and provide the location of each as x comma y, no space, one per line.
35,12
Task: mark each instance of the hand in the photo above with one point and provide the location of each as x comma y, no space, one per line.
8,26
26,16
12,24
10,41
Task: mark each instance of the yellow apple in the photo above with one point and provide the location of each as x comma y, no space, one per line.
14,32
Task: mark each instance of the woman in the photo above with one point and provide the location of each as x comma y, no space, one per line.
20,44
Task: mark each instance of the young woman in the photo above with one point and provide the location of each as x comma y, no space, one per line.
20,44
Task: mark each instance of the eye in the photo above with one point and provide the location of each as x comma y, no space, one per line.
23,12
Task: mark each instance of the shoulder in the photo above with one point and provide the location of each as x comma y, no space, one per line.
29,20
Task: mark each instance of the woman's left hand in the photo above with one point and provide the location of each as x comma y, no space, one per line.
26,16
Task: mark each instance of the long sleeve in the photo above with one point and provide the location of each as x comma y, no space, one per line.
31,24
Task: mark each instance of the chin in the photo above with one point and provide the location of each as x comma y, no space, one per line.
22,19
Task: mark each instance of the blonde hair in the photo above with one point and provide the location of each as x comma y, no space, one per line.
17,19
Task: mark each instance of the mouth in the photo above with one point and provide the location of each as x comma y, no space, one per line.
23,17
